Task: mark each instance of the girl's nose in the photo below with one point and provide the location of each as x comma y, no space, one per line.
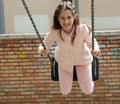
66,20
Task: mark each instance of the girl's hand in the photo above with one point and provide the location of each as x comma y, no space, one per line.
96,53
43,52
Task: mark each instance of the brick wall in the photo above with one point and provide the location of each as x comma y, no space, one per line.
25,77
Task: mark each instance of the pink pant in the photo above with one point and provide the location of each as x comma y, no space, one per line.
84,76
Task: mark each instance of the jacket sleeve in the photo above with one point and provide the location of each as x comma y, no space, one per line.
88,38
48,40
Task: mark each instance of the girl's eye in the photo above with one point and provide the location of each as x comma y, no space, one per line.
69,17
63,18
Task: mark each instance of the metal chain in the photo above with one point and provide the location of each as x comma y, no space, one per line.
32,21
95,62
92,22
34,26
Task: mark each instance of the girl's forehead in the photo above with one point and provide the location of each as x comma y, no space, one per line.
65,12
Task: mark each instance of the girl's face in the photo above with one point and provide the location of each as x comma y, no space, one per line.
66,20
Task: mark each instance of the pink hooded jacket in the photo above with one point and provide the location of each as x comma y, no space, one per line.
67,54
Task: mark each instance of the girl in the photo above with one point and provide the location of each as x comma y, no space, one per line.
74,42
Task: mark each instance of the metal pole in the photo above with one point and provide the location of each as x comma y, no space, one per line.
2,24
77,7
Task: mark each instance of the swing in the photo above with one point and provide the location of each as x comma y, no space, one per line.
54,64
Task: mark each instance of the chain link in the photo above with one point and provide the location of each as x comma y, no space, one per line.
34,26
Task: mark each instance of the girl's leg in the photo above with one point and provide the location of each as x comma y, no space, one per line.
84,75
65,80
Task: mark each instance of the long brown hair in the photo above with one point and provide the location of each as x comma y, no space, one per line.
66,5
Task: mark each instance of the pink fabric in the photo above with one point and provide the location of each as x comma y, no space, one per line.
67,54
84,79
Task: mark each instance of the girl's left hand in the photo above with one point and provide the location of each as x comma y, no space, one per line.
96,53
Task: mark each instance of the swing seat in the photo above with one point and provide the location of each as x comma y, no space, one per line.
95,70
54,71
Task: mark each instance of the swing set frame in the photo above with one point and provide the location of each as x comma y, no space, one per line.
54,65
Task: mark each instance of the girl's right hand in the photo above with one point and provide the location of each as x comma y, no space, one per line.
96,53
43,52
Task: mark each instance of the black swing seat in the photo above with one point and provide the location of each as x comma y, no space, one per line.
95,70
54,71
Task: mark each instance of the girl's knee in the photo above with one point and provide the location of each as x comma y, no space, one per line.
65,91
88,91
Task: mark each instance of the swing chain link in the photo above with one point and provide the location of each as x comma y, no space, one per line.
95,63
34,26
31,19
